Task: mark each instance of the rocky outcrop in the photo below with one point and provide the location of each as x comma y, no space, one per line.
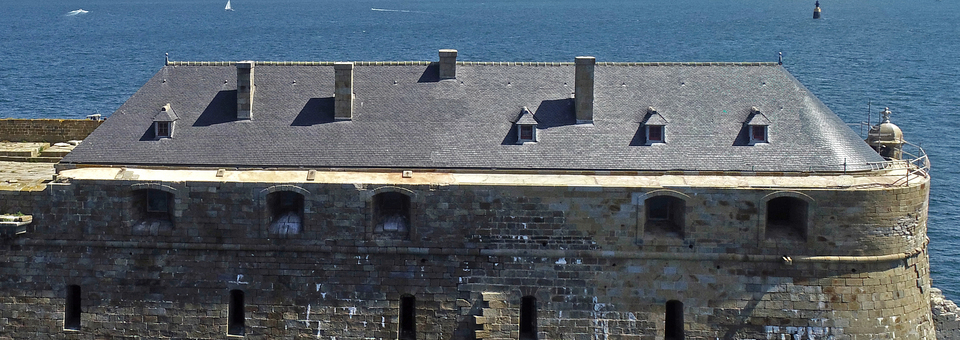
946,316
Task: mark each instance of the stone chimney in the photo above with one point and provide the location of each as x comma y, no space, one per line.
343,91
245,89
448,64
583,92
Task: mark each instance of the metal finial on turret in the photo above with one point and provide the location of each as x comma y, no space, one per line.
886,114
780,58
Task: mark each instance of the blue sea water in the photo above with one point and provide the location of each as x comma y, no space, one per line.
55,63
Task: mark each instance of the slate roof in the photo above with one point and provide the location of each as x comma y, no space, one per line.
405,117
166,114
758,118
654,118
526,117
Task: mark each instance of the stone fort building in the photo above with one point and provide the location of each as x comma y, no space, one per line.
473,200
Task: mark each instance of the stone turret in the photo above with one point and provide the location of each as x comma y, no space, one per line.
886,138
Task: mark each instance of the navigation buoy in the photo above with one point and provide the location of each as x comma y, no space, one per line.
816,10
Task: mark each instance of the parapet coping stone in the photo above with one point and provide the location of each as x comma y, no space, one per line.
464,63
870,181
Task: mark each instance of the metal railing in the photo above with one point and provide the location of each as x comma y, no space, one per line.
914,163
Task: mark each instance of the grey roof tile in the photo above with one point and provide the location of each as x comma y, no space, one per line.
405,117
166,114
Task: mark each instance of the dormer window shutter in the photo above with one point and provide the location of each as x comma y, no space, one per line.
163,122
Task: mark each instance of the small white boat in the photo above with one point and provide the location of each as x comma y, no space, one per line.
228,8
81,11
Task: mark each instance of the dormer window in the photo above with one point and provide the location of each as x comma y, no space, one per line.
526,127
758,134
526,133
654,125
164,121
163,129
757,125
654,134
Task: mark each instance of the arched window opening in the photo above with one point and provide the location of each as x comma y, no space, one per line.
392,215
152,210
528,318
236,318
408,318
71,309
665,215
286,212
786,218
673,328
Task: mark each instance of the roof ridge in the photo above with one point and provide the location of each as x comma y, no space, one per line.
466,63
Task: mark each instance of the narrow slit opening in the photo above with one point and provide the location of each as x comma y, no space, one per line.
528,318
71,310
674,320
408,318
236,319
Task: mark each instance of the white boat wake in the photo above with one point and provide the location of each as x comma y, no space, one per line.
76,12
396,10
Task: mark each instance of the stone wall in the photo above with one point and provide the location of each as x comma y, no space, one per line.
46,130
471,254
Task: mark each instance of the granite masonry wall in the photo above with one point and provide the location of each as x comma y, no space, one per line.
46,130
596,266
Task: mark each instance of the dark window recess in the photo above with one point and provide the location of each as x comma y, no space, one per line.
526,132
392,215
787,218
235,323
163,129
528,318
158,202
654,133
152,211
71,309
665,215
286,212
758,133
408,318
673,329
